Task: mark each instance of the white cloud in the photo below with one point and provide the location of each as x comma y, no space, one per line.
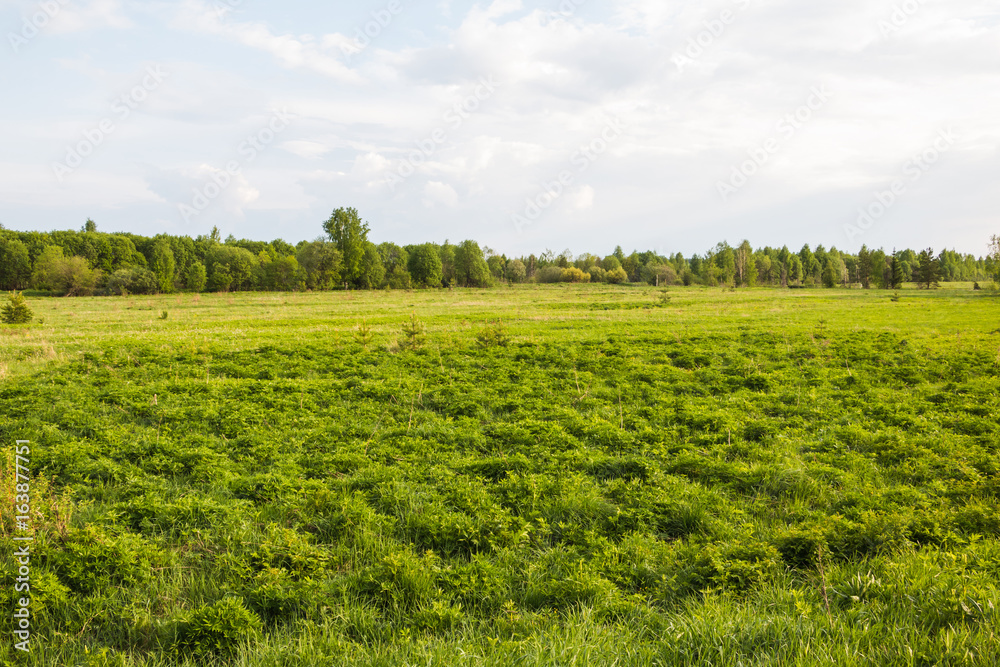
500,8
310,150
181,185
560,78
289,50
436,192
77,17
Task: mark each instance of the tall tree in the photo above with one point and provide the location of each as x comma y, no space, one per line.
372,270
865,267
928,269
15,265
895,272
424,264
163,265
350,234
470,266
995,255
320,262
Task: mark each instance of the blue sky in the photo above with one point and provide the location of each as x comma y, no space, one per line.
525,125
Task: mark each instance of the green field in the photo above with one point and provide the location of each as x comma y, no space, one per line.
615,475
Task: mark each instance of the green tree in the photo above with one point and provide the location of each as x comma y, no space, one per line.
470,267
745,265
995,255
865,267
616,276
231,268
15,265
196,277
89,226
830,273
516,271
396,262
794,268
447,254
221,279
928,269
372,269
350,234
656,273
321,264
895,272
424,263
16,310
497,266
162,264
71,276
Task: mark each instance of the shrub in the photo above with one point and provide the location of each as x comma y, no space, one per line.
70,275
550,274
217,628
16,311
414,330
133,281
617,276
363,334
493,335
196,277
574,275
597,274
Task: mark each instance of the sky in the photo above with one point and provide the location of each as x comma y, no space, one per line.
558,124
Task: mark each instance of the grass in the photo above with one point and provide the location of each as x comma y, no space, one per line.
801,477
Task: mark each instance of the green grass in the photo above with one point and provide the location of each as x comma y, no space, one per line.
800,477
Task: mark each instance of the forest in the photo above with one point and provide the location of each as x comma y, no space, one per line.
90,262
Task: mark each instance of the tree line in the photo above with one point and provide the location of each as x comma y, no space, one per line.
89,262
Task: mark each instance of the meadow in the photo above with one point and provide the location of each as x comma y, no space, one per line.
537,475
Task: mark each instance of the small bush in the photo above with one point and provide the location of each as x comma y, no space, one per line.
133,281
217,628
414,330
617,276
494,335
16,311
363,334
